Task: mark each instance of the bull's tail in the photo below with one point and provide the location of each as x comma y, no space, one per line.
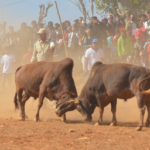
147,86
15,97
16,101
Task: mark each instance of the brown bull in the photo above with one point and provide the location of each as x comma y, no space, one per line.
45,79
109,82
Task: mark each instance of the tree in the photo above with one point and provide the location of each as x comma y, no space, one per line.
92,7
81,4
119,6
43,12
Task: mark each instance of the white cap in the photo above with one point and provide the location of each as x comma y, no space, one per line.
42,31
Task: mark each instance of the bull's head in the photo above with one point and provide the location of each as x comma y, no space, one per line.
64,107
85,108
82,105
66,103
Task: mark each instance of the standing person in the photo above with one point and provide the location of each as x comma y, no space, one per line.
90,23
124,46
43,50
140,31
69,29
128,14
117,36
7,62
73,42
27,57
143,19
34,26
88,39
109,38
80,21
121,25
131,25
139,44
51,32
57,25
111,24
104,28
132,37
60,51
11,36
96,28
147,27
92,55
147,13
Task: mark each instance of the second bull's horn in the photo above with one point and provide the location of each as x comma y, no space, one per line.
146,92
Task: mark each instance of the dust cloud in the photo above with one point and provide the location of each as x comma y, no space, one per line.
126,111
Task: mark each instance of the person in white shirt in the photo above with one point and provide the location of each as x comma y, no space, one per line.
7,62
92,55
147,27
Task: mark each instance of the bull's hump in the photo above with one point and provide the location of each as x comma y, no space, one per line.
67,62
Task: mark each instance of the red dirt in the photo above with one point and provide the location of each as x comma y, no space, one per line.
53,134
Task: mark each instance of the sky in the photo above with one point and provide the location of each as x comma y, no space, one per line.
28,10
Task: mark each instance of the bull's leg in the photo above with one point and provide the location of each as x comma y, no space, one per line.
147,123
101,109
19,94
24,99
113,110
63,118
140,100
41,97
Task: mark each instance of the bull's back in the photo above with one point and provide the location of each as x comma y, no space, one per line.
116,79
31,76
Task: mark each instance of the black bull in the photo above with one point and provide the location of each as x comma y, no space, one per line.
109,82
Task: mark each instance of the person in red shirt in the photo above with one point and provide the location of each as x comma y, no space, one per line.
27,57
69,29
140,31
121,24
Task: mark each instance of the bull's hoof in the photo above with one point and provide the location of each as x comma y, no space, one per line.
37,120
97,124
139,128
113,124
63,119
21,119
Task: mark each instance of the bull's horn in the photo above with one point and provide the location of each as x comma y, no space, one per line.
72,100
71,94
146,92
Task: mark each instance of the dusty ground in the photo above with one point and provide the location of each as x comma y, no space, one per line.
53,134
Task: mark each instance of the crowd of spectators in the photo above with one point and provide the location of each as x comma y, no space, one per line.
114,39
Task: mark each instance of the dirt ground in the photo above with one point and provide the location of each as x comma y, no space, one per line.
52,134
